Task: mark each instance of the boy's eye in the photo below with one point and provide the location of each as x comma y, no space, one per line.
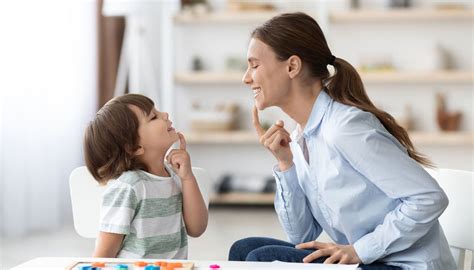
153,117
256,66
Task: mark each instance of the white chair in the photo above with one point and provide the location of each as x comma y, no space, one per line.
457,220
86,199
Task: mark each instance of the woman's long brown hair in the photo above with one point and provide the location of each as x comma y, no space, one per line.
299,34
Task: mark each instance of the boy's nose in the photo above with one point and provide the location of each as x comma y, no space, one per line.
166,115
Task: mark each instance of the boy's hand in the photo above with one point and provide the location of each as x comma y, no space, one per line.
180,160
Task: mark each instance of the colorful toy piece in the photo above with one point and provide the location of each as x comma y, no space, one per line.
214,266
121,267
98,264
140,264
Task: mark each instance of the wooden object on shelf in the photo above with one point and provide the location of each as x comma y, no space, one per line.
245,5
250,17
447,121
242,198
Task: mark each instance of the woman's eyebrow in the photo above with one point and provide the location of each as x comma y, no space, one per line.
252,59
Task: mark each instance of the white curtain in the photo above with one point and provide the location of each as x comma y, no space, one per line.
48,94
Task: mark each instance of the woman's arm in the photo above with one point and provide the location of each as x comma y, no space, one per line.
108,245
292,208
290,201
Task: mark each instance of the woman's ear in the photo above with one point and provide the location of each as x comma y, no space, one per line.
294,66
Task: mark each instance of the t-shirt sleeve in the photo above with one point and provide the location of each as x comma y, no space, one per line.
118,209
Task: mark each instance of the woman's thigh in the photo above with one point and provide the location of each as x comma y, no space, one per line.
266,249
241,248
269,249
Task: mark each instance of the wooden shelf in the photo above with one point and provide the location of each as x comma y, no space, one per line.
250,137
242,198
229,137
442,138
209,77
397,77
441,76
225,17
401,15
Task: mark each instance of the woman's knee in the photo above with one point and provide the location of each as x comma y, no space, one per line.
257,255
240,248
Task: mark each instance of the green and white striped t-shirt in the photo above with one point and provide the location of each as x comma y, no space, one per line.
148,210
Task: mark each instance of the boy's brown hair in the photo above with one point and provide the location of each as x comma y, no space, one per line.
111,139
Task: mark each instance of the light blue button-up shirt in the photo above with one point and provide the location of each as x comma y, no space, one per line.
363,189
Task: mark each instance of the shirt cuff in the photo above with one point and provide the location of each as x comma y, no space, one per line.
286,180
112,228
367,249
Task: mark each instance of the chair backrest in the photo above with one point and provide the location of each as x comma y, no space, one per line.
86,199
458,219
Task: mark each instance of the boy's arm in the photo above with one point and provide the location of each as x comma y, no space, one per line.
108,245
194,209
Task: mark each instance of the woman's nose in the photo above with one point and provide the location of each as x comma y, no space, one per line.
166,115
247,79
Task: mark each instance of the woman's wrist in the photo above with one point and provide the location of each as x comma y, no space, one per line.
285,165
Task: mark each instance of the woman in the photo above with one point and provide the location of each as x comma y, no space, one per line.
348,169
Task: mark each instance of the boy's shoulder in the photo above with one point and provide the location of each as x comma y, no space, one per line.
131,178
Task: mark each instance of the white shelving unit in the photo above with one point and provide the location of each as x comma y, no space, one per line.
211,80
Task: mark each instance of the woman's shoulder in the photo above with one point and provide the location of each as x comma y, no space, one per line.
342,118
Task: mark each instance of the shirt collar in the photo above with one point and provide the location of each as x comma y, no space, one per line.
317,113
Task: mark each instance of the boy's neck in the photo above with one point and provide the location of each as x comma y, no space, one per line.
159,170
156,166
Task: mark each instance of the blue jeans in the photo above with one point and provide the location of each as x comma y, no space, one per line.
261,249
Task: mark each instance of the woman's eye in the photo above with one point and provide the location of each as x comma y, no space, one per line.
256,66
153,117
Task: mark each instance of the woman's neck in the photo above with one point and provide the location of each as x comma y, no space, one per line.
300,102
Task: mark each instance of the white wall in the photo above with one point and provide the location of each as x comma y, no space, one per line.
48,93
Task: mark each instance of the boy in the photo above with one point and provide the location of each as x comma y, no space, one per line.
152,206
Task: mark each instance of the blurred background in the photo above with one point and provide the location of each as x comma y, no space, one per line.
61,60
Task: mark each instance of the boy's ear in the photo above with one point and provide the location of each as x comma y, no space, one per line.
140,151
135,151
294,66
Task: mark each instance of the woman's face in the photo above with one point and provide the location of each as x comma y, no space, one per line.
266,75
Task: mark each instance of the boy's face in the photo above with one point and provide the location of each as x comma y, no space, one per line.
155,130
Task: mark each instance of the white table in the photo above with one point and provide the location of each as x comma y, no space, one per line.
61,263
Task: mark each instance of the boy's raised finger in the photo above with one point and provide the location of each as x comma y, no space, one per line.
182,141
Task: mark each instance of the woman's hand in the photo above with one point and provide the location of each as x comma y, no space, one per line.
180,160
342,254
276,139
